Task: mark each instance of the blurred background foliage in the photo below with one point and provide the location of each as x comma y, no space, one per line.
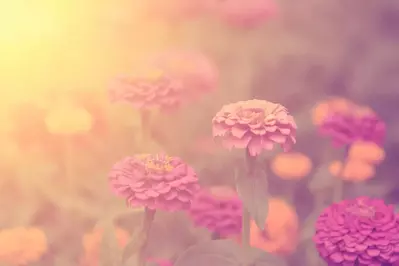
58,57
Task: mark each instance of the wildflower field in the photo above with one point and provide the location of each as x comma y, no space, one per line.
199,133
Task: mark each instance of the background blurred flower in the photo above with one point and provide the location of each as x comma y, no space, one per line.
148,88
344,129
154,182
361,231
243,13
330,106
366,151
92,245
281,229
291,165
22,246
197,72
68,119
218,209
354,170
255,125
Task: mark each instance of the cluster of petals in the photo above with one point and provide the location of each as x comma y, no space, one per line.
155,91
218,209
154,182
168,80
346,128
255,125
361,231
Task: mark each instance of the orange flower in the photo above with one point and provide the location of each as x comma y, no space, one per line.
291,165
21,246
92,245
67,120
354,170
281,229
336,104
367,151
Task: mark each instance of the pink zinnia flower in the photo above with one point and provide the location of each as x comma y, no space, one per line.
196,71
218,209
360,231
148,90
244,13
255,125
154,182
346,128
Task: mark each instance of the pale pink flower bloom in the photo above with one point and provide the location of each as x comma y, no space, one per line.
196,71
255,125
148,90
243,13
154,182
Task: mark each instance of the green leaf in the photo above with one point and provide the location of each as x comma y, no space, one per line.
253,191
130,252
110,251
211,253
263,258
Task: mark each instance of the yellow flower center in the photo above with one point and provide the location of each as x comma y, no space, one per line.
159,163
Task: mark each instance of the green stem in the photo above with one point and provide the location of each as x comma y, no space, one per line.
245,228
246,217
149,216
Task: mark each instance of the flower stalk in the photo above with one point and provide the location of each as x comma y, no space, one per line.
148,220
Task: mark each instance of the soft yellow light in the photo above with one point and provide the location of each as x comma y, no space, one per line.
23,21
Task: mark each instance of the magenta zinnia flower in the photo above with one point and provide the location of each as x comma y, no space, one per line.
160,262
218,209
361,231
154,182
345,128
148,91
255,125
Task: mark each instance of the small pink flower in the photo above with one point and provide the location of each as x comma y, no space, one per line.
219,209
243,13
148,91
255,125
196,71
175,10
154,182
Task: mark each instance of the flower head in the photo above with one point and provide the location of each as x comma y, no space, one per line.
360,231
244,13
330,106
68,119
154,182
367,151
281,232
22,246
197,72
255,125
149,88
218,209
291,165
346,128
92,245
353,170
